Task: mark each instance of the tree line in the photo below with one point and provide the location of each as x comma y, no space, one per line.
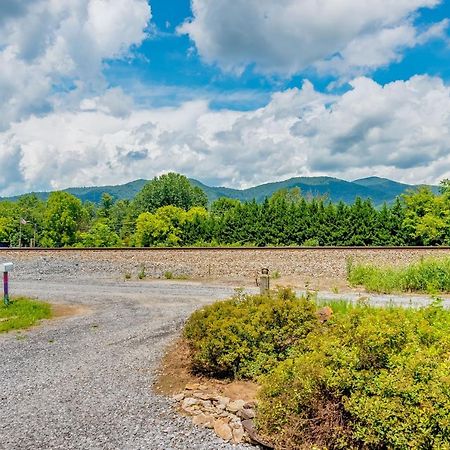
169,211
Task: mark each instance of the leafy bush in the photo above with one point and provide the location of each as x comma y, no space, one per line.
427,275
367,379
247,335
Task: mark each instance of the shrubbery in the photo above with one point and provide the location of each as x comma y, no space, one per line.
247,335
428,275
368,378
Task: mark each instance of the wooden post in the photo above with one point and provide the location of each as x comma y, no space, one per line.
264,282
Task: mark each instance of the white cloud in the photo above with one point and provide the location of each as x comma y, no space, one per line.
287,36
48,43
401,130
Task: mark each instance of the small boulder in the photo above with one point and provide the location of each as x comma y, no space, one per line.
238,434
235,406
324,314
188,402
223,400
204,420
223,430
178,397
246,413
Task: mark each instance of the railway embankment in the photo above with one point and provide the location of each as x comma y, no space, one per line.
318,267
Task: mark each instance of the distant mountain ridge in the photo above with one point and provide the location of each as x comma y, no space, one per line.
379,190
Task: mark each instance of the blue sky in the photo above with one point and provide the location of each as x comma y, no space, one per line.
107,91
165,59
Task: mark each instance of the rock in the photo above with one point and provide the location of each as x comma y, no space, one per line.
246,413
251,405
250,429
204,420
188,402
178,397
238,434
324,314
235,406
192,387
202,395
223,400
223,430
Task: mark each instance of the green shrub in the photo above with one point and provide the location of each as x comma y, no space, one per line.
371,378
427,275
247,335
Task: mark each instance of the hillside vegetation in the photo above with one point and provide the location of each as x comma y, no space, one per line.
378,190
172,211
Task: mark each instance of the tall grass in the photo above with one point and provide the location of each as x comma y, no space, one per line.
427,275
22,313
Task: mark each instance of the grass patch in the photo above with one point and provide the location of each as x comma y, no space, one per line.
428,275
22,313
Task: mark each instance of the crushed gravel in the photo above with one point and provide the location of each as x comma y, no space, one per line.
84,382
205,264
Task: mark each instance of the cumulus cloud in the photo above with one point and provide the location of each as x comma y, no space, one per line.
400,130
53,45
287,36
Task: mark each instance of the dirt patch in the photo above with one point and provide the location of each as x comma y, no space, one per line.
175,374
61,311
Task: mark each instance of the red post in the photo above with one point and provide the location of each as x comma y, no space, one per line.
5,289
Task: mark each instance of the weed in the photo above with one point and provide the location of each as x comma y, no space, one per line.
127,275
142,274
171,276
275,275
427,275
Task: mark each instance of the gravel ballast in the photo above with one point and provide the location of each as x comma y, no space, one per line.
226,264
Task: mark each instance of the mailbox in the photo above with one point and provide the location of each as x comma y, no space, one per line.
7,267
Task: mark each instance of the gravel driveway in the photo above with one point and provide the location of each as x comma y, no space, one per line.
84,382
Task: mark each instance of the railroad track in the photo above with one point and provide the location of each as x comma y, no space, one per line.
216,249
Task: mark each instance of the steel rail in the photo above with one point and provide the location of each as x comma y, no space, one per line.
215,249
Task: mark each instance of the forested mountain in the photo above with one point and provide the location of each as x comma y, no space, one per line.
379,190
171,210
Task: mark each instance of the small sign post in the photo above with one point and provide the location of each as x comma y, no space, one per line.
264,282
7,267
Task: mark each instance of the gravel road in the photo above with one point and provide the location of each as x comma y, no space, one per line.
84,382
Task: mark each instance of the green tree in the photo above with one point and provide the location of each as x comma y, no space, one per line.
62,219
170,189
427,216
100,235
163,228
106,204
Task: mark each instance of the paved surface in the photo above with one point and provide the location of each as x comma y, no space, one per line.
84,382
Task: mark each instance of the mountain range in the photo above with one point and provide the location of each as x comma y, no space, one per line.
379,190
